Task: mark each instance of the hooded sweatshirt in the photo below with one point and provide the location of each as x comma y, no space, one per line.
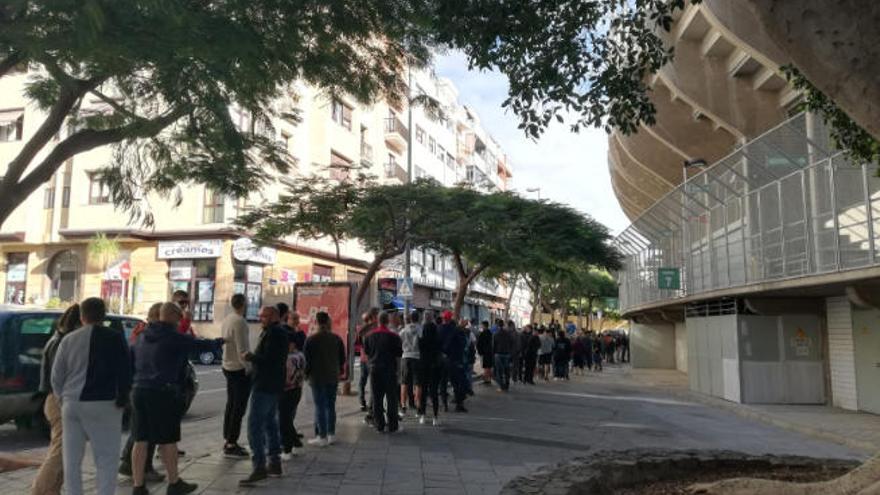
160,354
383,347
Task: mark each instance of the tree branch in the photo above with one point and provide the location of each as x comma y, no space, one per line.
115,105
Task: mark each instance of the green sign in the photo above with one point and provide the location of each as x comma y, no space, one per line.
668,278
611,303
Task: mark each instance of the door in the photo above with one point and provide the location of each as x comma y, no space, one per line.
866,341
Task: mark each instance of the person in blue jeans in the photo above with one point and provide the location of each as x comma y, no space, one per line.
325,362
269,361
504,344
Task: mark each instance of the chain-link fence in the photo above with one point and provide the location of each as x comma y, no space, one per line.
783,205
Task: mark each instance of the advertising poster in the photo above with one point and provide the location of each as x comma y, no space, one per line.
332,298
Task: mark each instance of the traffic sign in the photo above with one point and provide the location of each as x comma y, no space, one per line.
405,288
668,278
125,270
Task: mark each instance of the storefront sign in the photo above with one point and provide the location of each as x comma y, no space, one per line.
286,276
443,295
244,249
177,250
180,270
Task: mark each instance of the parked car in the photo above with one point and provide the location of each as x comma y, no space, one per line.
215,355
23,335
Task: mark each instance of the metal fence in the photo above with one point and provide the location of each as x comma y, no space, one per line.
784,205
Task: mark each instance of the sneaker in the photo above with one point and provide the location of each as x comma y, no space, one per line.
460,408
181,487
331,439
286,456
296,451
318,442
421,419
401,413
274,470
436,422
125,469
153,476
140,490
256,477
235,452
363,408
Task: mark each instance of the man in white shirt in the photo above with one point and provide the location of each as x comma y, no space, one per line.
238,384
410,369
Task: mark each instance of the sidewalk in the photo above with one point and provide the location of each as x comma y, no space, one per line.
857,430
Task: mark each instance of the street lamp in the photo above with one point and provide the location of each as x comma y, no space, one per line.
535,189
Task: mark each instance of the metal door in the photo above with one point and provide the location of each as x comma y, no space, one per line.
866,341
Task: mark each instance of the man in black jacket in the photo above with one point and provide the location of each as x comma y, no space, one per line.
530,355
384,348
159,358
431,360
268,359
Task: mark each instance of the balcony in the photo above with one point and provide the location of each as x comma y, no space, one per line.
396,134
366,154
393,170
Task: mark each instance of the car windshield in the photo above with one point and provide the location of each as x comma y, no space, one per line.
22,338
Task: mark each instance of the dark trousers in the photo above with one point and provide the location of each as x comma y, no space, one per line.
517,368
432,374
384,387
287,404
457,378
443,386
502,370
529,364
263,432
238,391
362,386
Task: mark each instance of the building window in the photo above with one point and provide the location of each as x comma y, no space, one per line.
433,265
99,193
340,166
65,197
441,153
11,125
49,198
432,145
16,278
249,281
197,278
450,161
322,273
420,135
341,114
214,203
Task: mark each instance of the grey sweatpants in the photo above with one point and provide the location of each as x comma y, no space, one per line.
100,424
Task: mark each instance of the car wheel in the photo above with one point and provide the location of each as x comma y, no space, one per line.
206,358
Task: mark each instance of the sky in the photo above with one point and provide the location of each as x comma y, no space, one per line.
569,168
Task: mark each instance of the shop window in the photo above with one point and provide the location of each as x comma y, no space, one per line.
249,281
99,193
198,278
214,207
322,273
341,114
11,125
16,278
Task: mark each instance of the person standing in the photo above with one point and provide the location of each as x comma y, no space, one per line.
545,353
410,367
325,362
598,350
384,348
503,345
181,298
289,401
160,357
579,354
91,377
269,360
234,331
561,355
50,477
294,330
530,358
454,341
516,355
369,324
431,360
484,349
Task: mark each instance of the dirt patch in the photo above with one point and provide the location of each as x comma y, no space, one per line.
797,474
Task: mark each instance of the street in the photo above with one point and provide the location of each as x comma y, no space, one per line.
503,436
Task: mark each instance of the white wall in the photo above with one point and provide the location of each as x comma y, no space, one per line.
841,354
681,351
653,345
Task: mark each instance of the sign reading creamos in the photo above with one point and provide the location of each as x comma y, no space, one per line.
244,249
176,250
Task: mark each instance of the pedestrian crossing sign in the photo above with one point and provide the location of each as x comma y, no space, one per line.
405,288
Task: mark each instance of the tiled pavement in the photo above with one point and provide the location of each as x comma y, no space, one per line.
504,435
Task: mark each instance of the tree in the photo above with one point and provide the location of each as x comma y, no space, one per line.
594,284
164,76
382,218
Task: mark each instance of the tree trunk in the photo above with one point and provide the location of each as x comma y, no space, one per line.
510,298
464,281
590,313
580,313
364,286
836,45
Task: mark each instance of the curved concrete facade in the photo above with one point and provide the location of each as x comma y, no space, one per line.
723,87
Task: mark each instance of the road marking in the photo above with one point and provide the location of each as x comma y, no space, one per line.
650,400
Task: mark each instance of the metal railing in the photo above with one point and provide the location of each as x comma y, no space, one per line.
393,170
782,206
393,125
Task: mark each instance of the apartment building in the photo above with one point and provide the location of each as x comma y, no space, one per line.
194,246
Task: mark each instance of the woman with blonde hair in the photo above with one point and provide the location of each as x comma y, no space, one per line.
51,474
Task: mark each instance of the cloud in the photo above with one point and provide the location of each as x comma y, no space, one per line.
569,168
